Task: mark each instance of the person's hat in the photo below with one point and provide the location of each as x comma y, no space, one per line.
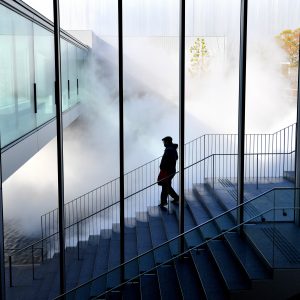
167,139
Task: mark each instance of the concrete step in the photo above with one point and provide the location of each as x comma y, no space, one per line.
144,243
214,209
168,283
194,237
211,280
171,228
158,237
131,291
233,274
188,278
149,286
200,216
253,265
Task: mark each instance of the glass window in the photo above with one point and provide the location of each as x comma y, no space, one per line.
44,74
64,75
17,74
27,75
24,61
72,73
80,71
7,87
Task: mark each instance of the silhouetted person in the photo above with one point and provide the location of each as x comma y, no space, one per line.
167,171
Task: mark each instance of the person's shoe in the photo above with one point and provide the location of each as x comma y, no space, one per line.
162,205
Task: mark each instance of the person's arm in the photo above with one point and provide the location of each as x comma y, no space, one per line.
166,161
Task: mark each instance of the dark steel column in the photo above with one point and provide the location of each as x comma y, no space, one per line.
297,165
121,132
181,118
2,264
59,133
242,104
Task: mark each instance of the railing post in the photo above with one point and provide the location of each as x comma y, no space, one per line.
59,133
213,171
32,262
283,152
181,119
10,272
78,240
242,104
204,160
257,171
42,238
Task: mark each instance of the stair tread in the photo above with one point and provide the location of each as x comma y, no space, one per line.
73,266
158,237
54,291
100,267
88,261
47,284
194,237
149,287
131,291
188,278
130,244
168,283
113,278
171,228
213,207
247,256
200,216
81,293
144,244
234,276
210,278
72,274
143,237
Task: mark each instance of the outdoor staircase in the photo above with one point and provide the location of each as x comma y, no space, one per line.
226,267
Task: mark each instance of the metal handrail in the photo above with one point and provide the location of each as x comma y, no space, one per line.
137,168
181,236
141,177
135,193
203,159
97,212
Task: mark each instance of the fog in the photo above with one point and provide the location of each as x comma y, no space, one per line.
160,18
151,87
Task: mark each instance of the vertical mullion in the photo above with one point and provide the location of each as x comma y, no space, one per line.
121,131
297,154
59,132
2,261
181,117
242,101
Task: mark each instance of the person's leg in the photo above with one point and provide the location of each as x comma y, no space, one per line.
173,194
164,194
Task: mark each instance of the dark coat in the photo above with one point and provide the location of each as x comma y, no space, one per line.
168,161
